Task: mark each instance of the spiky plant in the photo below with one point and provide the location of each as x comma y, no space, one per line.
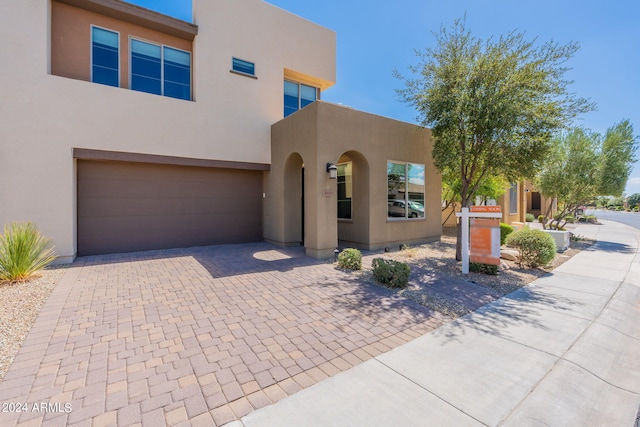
23,251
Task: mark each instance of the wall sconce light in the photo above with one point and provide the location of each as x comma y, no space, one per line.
332,170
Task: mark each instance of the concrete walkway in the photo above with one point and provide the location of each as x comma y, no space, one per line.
564,351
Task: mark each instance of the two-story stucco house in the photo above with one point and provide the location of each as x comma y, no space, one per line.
122,129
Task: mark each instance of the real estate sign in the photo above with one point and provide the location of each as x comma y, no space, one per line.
485,236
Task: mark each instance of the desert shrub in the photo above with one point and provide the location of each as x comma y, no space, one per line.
592,219
23,251
505,230
570,219
529,217
391,273
535,247
540,218
489,269
350,259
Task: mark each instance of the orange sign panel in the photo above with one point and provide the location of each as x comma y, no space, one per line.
485,241
495,209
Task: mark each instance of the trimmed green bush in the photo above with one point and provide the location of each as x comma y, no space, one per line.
536,248
489,269
505,230
350,259
391,273
540,218
570,219
529,217
23,251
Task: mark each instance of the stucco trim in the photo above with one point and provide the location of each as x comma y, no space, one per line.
139,16
121,156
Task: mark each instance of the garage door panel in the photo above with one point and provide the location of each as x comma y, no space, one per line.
125,207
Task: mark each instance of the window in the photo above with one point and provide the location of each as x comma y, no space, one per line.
405,190
243,67
297,96
161,70
345,189
513,198
105,61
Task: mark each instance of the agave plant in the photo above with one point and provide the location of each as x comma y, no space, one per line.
23,251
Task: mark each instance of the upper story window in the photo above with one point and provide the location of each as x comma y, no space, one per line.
105,59
243,67
161,70
297,96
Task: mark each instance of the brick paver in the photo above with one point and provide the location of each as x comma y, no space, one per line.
198,336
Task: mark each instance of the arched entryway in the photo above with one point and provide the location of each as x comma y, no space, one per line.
353,199
294,200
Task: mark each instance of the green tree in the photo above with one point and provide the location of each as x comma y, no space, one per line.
618,156
633,200
570,173
492,105
585,165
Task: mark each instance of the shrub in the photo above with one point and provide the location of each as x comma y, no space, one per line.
540,218
350,259
570,219
592,219
536,248
529,217
23,251
489,269
391,273
505,230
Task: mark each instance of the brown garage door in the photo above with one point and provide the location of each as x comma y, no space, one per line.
126,206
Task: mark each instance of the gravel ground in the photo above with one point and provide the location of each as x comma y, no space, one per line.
440,257
20,304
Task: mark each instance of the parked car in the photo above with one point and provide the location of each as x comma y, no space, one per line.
397,209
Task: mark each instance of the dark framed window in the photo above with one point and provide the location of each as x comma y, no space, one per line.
405,190
297,96
244,67
105,58
345,190
160,70
513,198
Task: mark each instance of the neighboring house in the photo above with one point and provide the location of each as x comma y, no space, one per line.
517,201
122,129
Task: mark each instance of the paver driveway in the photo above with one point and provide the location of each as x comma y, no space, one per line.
198,336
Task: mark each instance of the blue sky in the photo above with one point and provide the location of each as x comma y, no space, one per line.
374,37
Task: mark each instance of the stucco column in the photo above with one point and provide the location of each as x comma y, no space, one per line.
321,223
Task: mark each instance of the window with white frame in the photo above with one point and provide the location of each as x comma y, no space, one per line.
161,70
105,58
405,190
297,96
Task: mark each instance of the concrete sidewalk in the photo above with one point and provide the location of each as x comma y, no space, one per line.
563,351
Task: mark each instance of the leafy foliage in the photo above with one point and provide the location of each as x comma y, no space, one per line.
505,230
350,259
490,269
584,165
530,217
391,273
23,251
536,248
492,105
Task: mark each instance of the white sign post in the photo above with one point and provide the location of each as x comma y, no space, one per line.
465,215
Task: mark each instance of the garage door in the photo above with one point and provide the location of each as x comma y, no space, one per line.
127,206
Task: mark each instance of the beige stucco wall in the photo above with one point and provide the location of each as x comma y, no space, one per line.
43,116
322,133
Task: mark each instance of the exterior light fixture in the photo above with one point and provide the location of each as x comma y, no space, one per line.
332,170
